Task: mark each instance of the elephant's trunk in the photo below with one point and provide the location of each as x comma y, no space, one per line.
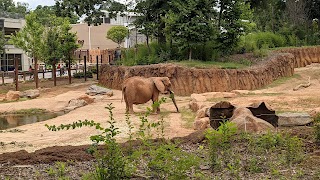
173,100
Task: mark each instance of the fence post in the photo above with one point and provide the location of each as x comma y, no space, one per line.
2,75
85,68
97,67
16,74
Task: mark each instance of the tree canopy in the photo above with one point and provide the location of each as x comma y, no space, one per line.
117,34
10,7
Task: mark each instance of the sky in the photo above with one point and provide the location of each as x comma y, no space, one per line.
34,3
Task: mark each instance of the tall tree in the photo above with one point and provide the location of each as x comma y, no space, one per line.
190,22
30,40
145,23
229,24
69,45
117,34
2,42
11,7
90,8
44,12
58,43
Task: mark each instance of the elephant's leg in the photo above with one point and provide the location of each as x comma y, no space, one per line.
130,109
158,107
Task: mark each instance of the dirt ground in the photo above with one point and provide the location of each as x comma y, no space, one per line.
32,137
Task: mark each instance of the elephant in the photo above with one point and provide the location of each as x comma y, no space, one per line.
139,90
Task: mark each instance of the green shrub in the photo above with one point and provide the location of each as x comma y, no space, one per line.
220,141
81,75
259,40
110,163
170,162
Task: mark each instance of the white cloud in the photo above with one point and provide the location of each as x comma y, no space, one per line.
34,3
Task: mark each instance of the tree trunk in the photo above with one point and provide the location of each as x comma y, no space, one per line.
54,73
220,13
148,45
36,72
190,54
69,70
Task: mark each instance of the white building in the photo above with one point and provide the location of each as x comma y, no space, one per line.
11,26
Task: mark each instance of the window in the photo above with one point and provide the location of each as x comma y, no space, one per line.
106,20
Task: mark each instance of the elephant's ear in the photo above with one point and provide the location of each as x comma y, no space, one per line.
159,84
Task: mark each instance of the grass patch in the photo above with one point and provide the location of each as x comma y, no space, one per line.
28,111
282,80
187,117
210,64
20,99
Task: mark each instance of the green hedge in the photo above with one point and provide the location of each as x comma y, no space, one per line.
81,75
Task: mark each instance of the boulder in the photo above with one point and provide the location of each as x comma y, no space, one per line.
200,124
246,121
76,103
213,95
86,98
95,90
242,92
32,93
294,119
12,96
197,102
198,97
203,112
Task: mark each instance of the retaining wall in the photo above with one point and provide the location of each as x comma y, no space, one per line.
186,81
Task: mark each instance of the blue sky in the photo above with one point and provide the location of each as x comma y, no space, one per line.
34,3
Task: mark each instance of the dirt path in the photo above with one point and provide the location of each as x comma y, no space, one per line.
36,136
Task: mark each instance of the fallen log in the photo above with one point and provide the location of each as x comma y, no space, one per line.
303,85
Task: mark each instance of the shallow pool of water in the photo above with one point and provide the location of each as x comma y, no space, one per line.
14,120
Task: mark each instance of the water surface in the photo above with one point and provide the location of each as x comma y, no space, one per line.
14,120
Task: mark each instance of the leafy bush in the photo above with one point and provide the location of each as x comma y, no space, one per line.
170,162
256,41
81,75
220,141
110,163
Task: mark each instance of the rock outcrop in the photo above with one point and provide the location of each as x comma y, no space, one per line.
294,119
186,81
246,121
12,96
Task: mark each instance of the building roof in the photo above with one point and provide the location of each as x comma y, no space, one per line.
98,36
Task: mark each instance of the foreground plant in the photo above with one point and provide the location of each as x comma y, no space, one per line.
110,162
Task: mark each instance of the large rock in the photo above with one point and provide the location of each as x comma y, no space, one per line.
294,119
12,96
88,99
76,103
200,124
203,112
246,121
32,93
97,90
215,95
196,102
